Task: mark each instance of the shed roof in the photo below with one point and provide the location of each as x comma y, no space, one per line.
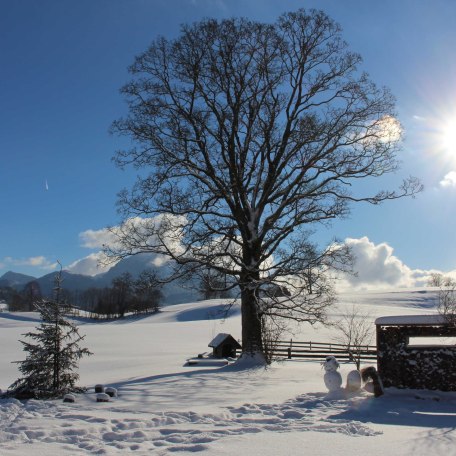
220,338
412,320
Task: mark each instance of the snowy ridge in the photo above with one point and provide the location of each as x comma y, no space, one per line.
411,320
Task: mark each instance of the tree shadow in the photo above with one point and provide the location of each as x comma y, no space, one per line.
21,317
210,312
115,320
192,386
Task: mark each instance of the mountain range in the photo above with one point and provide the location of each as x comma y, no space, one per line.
173,293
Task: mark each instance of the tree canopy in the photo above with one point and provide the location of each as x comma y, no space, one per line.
248,136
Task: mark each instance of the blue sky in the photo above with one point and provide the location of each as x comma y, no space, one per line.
61,66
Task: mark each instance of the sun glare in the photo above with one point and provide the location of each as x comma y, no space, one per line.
440,135
449,136
389,129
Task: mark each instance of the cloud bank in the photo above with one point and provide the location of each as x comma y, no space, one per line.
40,262
377,267
98,262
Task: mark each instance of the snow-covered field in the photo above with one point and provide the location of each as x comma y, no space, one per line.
165,406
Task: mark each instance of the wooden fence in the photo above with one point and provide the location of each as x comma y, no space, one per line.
320,350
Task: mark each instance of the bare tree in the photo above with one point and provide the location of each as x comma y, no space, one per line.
31,294
213,285
272,333
355,330
247,136
437,279
146,293
447,301
122,290
446,304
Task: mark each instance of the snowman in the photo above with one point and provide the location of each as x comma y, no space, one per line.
332,378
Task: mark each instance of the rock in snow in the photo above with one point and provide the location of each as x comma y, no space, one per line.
69,398
111,392
102,397
99,388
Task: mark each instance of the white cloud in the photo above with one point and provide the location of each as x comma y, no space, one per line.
170,228
40,262
389,129
449,180
377,267
375,264
96,239
139,229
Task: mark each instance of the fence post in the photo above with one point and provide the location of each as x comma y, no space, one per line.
289,353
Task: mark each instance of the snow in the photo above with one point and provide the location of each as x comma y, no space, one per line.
164,406
354,381
410,320
218,339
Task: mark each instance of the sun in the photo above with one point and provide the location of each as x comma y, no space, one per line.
449,136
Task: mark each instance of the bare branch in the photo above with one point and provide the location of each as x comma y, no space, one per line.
249,134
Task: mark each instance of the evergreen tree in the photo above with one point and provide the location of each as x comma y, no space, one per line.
53,357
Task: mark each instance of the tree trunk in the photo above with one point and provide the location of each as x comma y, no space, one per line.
251,321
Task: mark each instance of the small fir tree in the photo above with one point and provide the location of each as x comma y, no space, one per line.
53,358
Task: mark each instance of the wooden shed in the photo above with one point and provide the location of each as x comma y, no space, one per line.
224,345
416,351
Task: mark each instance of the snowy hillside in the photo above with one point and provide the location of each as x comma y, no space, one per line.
165,406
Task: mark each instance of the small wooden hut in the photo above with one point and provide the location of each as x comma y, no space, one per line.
224,346
416,351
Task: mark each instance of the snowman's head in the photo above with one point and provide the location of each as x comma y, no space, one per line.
331,364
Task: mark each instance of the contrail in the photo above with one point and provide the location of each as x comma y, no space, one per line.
46,185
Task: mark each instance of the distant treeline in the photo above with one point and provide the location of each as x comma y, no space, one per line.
125,295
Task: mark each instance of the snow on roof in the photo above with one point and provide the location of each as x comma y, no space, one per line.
218,339
434,319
